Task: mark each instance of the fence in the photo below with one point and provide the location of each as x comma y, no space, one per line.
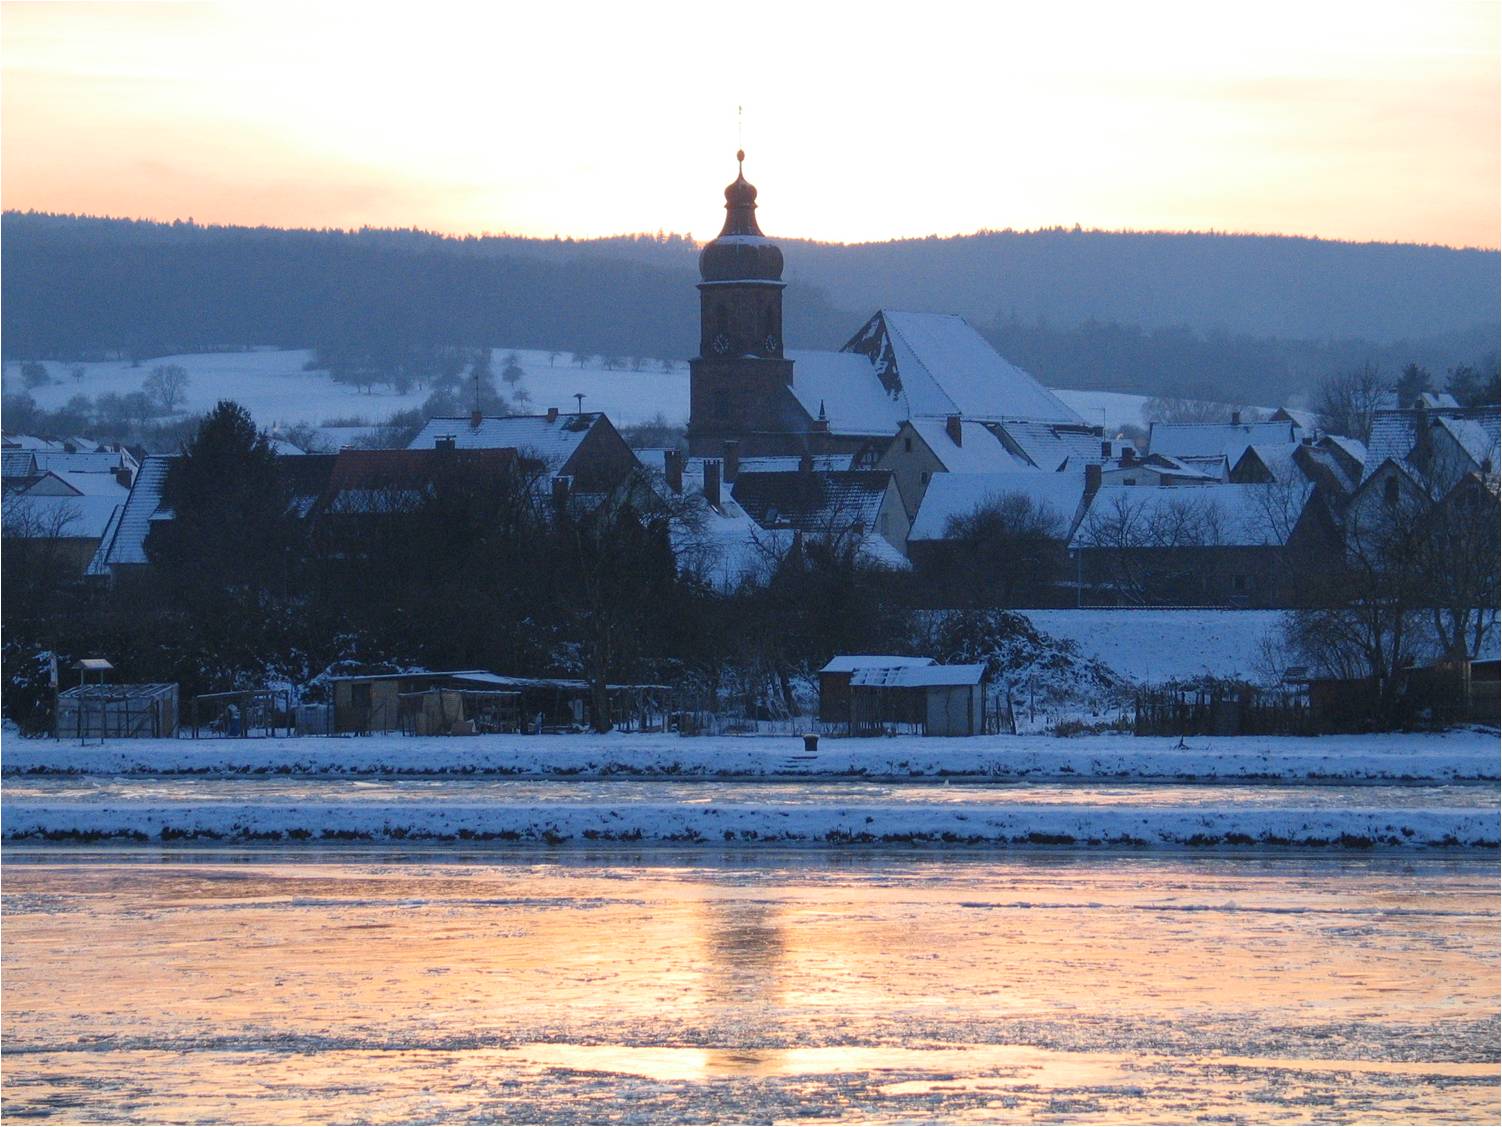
245,713
1223,711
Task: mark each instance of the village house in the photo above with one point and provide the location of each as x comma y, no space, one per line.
62,498
583,447
1217,545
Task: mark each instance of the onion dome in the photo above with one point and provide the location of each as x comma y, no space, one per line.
741,253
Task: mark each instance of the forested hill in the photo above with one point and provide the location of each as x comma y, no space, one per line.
1157,313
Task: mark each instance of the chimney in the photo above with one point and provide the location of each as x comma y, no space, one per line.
712,482
552,414
821,426
475,419
443,442
732,458
672,469
1092,477
1105,449
1235,418
1128,455
561,485
806,464
952,429
122,475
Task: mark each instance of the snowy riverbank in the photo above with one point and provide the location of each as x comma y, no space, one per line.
1429,758
754,823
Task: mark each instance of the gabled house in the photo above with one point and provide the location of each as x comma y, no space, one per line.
585,447
1228,440
725,543
123,549
952,445
846,506
1218,545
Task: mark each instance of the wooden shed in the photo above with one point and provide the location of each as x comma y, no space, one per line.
834,680
931,700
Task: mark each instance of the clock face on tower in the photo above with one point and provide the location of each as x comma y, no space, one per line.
770,343
720,344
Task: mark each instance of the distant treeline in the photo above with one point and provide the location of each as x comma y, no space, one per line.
1135,313
76,287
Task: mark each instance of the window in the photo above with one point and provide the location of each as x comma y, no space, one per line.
1129,481
923,477
886,523
907,445
1390,492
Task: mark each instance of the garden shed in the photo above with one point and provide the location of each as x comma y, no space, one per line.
932,700
834,680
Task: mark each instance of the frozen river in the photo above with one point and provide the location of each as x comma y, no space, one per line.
315,984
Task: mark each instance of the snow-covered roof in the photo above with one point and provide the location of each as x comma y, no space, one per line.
844,384
97,461
849,663
127,542
1394,435
1477,437
939,365
1277,459
814,502
554,441
919,677
1213,466
1230,439
92,484
772,463
1051,446
17,463
952,495
979,451
1227,516
69,518
1353,447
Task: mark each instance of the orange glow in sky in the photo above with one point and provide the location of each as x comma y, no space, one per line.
1363,120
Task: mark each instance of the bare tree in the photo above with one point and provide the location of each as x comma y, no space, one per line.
1140,535
1008,544
167,384
1346,402
1175,409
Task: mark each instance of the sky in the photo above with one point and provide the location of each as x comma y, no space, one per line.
869,121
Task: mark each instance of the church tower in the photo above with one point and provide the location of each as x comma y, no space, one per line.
740,383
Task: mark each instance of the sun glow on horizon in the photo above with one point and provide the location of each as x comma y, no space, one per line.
1338,120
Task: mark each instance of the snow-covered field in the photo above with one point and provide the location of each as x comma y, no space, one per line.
1151,645
1110,409
274,385
1443,758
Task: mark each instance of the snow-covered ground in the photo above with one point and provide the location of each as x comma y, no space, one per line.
275,387
1151,645
1443,758
767,821
1110,409
279,392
